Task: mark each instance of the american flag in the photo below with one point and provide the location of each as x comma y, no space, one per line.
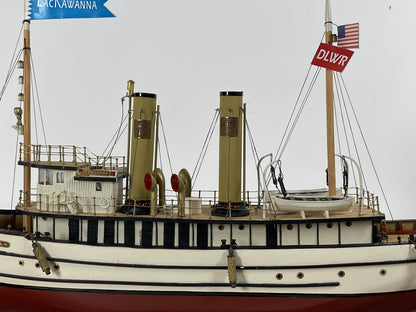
348,36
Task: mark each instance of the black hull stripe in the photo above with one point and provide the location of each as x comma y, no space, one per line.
198,293
169,284
207,267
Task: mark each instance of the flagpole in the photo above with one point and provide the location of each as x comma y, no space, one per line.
330,108
26,123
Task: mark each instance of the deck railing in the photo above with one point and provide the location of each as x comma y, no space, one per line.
204,199
71,155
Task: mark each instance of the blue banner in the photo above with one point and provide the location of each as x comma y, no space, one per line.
56,9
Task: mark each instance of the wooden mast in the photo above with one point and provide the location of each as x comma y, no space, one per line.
26,123
330,108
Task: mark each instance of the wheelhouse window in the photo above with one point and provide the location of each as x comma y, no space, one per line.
45,177
59,177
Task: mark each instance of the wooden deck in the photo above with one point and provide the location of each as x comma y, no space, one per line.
256,213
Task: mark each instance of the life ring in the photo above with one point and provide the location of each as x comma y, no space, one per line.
104,202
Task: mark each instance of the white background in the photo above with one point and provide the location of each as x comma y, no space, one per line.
187,51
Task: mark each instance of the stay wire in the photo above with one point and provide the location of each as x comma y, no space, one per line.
340,96
293,110
13,63
279,152
14,169
204,149
295,121
34,114
116,136
355,144
166,144
35,85
368,150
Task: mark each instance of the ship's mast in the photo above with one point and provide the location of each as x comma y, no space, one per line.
26,122
330,108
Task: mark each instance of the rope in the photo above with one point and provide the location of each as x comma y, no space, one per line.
34,114
118,133
204,149
294,109
232,268
296,119
368,151
14,169
166,145
13,64
278,156
35,85
339,92
353,138
252,145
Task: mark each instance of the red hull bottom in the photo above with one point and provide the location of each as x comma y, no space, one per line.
18,299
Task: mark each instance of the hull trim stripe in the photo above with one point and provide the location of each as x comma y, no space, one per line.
207,267
103,282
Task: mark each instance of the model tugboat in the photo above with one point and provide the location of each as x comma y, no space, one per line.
108,234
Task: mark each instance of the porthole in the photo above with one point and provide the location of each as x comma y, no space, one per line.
300,275
341,273
241,227
329,225
37,265
383,272
289,227
279,276
348,223
56,267
308,225
221,227
21,262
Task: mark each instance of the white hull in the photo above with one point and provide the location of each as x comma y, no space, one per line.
335,270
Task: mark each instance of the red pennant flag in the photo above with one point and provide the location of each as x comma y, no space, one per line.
332,57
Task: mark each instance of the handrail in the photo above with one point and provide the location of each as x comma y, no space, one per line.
91,205
71,154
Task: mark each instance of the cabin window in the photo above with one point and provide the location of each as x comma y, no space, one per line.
98,187
45,177
59,177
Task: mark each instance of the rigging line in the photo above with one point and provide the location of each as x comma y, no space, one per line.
119,132
166,144
205,143
205,147
278,152
304,101
116,141
9,74
160,156
311,85
13,63
293,110
37,97
336,117
204,151
339,92
355,143
368,151
14,169
254,149
34,115
352,132
107,151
